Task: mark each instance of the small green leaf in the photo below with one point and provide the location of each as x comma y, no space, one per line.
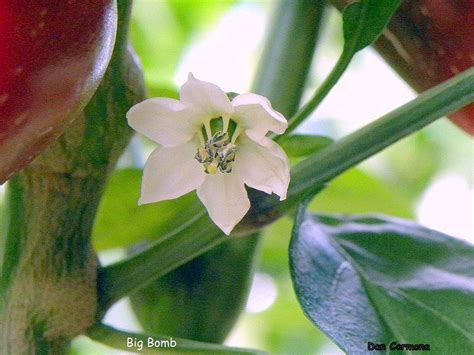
301,145
121,222
364,21
376,279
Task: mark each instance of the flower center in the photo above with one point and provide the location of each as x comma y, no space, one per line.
217,151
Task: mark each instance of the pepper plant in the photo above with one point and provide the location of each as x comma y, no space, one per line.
364,280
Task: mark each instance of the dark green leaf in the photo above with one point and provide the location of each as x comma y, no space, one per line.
207,294
364,21
301,145
375,279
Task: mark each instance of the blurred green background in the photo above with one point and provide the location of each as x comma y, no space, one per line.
427,177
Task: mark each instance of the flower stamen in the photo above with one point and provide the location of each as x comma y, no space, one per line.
236,134
201,137
207,126
225,125
217,154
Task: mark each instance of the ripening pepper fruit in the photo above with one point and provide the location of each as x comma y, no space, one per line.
428,42
202,299
53,54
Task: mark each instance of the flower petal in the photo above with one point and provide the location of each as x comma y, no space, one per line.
208,100
225,198
166,121
263,166
257,116
171,172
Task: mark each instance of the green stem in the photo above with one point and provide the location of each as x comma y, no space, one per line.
321,93
351,47
170,252
308,177
376,136
188,295
119,339
288,53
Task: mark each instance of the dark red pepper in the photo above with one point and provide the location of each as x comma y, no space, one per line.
53,54
428,42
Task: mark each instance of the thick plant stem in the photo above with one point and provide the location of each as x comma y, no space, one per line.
50,271
48,287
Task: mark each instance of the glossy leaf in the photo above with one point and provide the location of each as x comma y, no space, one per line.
376,279
364,21
355,191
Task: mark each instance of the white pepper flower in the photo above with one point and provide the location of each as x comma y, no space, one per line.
213,145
